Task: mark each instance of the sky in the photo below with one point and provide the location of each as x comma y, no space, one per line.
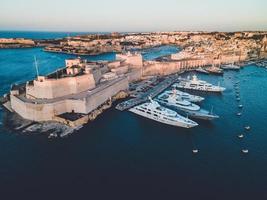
133,15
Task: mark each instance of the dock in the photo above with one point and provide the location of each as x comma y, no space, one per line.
153,92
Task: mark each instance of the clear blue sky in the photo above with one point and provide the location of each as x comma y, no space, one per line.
133,15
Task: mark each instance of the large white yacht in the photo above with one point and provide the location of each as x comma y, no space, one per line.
153,110
185,96
196,84
170,98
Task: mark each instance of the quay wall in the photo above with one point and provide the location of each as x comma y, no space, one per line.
152,68
36,112
93,101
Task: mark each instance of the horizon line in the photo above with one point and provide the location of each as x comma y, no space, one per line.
95,32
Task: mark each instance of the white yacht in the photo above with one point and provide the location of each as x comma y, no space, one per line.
196,84
170,98
230,67
185,96
201,70
184,107
153,110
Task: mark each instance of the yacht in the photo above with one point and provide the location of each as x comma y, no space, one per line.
215,70
185,96
196,84
184,107
230,67
170,98
153,110
201,70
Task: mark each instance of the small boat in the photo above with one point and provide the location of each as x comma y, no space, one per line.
195,150
245,150
247,127
230,67
52,135
201,70
215,70
240,106
241,136
238,99
239,114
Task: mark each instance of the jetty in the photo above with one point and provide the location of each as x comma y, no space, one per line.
153,92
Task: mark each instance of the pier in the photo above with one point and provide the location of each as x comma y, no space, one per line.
153,92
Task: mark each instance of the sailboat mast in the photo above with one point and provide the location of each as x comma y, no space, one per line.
36,66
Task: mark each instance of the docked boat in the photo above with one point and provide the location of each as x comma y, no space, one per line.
170,98
186,96
196,84
184,107
215,70
230,67
179,95
153,110
52,135
201,70
199,114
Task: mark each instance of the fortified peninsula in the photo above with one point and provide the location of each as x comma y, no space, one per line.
80,91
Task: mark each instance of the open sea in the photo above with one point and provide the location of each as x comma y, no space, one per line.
122,155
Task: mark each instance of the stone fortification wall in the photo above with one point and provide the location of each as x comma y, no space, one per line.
47,111
93,101
53,88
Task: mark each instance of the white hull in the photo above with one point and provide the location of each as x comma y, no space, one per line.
191,107
196,84
200,88
162,120
188,97
230,67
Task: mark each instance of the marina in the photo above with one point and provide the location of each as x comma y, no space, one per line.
133,100
152,92
122,145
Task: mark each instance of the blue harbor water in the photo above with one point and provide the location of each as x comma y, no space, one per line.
123,154
38,34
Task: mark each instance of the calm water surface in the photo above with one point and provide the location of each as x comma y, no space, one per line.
123,154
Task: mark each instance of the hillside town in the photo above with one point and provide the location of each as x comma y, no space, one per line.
245,45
